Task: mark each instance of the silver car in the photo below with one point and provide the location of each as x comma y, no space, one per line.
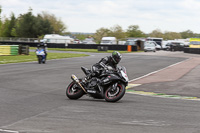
149,47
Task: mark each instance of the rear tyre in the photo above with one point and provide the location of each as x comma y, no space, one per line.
114,95
74,91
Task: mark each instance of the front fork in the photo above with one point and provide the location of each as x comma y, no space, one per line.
114,86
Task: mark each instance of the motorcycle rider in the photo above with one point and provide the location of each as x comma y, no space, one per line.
96,69
43,46
112,61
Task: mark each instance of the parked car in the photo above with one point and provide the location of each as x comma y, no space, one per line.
149,47
109,40
77,41
175,46
89,41
130,42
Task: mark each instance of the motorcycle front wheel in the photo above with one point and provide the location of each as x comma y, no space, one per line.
39,59
74,91
115,94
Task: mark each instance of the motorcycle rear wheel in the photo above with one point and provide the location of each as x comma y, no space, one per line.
114,95
74,91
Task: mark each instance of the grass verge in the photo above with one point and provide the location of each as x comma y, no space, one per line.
84,50
32,57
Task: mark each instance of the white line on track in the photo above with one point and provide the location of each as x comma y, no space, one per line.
8,131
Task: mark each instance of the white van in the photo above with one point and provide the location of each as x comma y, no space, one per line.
55,38
158,47
108,40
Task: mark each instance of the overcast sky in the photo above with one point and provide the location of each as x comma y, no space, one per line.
90,15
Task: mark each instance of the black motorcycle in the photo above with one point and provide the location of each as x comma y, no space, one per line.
111,88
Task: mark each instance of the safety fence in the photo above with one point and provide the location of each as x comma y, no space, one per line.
79,46
104,47
16,39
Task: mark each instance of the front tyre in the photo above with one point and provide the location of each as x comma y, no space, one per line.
39,59
74,91
115,94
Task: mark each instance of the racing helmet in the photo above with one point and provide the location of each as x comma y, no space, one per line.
116,57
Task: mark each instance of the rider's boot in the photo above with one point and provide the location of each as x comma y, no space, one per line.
89,76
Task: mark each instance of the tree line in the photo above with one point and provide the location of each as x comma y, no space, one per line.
134,31
30,26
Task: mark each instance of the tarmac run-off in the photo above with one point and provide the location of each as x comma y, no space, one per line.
170,73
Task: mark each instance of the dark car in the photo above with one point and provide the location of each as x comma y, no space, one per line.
175,46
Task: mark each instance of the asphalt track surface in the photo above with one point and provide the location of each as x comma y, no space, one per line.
32,99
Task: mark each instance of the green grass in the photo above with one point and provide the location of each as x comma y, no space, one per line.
32,57
83,50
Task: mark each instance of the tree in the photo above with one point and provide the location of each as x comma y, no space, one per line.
117,31
33,27
43,26
134,31
57,24
102,32
0,20
30,26
7,26
156,33
171,35
196,35
0,11
26,25
187,34
4,28
12,25
81,36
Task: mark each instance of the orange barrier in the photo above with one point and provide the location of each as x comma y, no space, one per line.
129,48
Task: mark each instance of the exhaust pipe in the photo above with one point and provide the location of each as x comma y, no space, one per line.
74,78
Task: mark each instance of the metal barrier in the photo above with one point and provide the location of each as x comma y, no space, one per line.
24,49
